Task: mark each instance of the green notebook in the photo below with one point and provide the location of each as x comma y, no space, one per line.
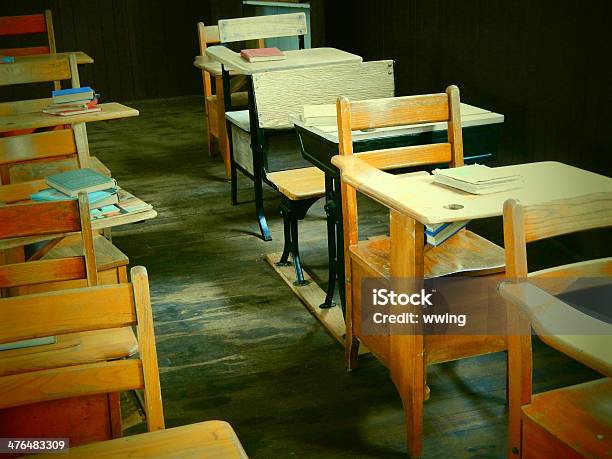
73,182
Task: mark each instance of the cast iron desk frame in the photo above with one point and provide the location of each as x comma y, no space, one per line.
257,147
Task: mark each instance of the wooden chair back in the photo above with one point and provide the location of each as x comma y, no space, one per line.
525,224
207,35
33,156
261,27
37,221
529,223
78,310
397,111
30,25
35,70
280,94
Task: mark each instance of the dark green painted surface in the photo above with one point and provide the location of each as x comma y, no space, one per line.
235,344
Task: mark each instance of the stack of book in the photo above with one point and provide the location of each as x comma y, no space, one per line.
262,55
437,234
478,179
74,101
106,199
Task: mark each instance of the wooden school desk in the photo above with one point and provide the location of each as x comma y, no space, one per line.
320,143
27,115
313,57
413,202
92,418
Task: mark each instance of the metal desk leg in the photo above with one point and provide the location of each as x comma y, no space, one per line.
330,210
258,164
340,244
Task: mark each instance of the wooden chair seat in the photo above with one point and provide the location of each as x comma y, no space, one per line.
569,422
299,184
210,439
108,256
110,261
71,349
465,252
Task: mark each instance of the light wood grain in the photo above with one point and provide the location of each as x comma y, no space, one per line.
39,218
462,253
77,380
399,111
299,58
210,440
109,111
252,28
29,71
36,146
88,245
282,93
38,272
80,57
580,426
426,201
298,184
147,350
16,192
567,216
71,349
69,311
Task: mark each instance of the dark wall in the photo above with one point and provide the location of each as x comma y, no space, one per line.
142,48
543,64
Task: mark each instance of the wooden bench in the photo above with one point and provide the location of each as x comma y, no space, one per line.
34,71
402,259
214,104
280,95
571,421
66,268
29,25
101,308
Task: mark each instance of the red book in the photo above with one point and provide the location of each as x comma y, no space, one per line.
262,54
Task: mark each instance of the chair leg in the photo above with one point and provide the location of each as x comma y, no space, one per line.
295,253
261,217
331,256
351,343
408,374
211,144
284,260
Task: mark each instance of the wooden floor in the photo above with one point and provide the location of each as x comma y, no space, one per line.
234,343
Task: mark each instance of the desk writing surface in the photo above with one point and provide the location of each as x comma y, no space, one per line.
470,116
211,66
33,120
81,57
427,202
295,59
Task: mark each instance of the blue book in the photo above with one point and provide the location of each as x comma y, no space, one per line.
63,96
65,92
437,234
96,198
73,182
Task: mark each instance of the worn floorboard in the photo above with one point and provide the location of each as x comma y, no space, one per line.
233,341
